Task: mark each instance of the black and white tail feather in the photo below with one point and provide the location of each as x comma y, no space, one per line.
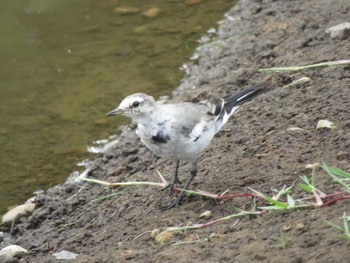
231,104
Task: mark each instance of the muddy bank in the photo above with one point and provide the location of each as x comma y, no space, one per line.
255,150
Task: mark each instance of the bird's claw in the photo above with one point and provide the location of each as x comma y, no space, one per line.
171,204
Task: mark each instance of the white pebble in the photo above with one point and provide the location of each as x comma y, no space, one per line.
339,31
7,254
205,214
65,255
16,213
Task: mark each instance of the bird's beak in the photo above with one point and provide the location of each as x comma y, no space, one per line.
113,112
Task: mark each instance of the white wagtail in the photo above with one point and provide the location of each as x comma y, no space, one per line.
180,131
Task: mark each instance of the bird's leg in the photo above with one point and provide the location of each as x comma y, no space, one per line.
177,201
175,178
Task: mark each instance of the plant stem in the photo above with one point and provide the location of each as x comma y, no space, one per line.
298,68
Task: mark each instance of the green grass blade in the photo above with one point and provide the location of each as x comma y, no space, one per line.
305,187
272,207
344,237
288,189
298,68
271,200
336,171
334,225
330,171
345,224
305,179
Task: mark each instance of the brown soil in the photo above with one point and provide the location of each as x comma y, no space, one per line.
254,150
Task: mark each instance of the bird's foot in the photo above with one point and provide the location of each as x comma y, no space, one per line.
172,204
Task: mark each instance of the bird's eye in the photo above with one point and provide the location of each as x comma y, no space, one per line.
135,104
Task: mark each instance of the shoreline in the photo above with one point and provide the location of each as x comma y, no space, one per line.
255,151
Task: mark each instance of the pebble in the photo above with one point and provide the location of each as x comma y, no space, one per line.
16,213
325,124
299,226
298,81
163,237
311,166
126,10
65,255
151,12
341,31
343,155
191,238
287,227
155,233
295,129
8,254
206,214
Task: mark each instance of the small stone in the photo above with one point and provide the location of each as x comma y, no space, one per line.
343,155
287,227
163,237
206,214
295,129
191,237
130,254
298,81
126,10
155,233
65,255
1,236
341,31
299,226
151,12
16,213
325,124
312,166
8,254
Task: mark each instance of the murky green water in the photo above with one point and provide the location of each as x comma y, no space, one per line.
64,64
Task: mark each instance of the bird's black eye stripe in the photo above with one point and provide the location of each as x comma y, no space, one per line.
135,104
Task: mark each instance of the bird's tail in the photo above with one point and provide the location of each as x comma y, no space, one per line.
232,103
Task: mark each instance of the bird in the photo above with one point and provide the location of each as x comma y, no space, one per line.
180,131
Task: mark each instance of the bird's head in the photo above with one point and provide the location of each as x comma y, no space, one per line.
135,105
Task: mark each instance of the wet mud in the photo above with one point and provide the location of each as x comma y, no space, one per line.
255,150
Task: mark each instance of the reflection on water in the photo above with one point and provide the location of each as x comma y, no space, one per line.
64,64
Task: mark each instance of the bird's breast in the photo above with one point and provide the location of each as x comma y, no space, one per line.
174,146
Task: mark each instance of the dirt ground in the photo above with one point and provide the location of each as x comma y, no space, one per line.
255,150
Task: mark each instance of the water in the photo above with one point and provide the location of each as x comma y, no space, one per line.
64,64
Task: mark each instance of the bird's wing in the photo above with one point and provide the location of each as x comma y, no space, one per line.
182,121
198,130
210,112
190,121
